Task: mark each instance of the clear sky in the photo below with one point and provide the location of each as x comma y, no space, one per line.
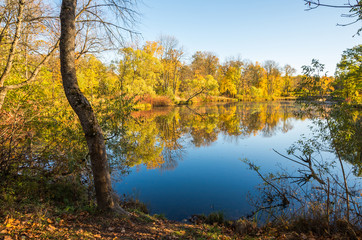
258,30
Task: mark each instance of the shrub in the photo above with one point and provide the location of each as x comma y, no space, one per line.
161,101
215,217
156,101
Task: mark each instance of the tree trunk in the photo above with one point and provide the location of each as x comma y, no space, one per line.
3,92
83,109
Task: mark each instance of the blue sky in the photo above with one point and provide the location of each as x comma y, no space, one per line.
260,30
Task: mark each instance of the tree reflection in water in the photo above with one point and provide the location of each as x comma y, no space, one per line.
157,138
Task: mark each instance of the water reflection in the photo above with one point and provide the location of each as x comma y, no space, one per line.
157,138
186,160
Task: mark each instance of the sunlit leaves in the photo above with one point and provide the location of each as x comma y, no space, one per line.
349,75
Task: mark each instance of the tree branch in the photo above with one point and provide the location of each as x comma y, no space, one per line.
11,56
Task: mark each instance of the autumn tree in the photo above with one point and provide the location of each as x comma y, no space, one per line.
254,80
288,80
140,69
205,63
200,85
28,39
273,77
186,74
171,61
349,74
91,74
91,128
230,78
228,81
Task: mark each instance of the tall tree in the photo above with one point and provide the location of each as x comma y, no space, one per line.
205,63
254,75
83,109
141,68
228,82
288,82
171,61
273,77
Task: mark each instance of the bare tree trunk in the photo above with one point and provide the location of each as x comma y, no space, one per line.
83,109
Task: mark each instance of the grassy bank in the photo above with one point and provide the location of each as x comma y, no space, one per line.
50,222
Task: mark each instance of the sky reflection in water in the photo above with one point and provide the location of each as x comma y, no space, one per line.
201,169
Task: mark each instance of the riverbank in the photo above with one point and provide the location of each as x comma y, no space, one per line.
49,223
45,222
150,102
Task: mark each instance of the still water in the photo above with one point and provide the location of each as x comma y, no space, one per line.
188,160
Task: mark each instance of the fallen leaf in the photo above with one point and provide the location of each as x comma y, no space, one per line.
50,228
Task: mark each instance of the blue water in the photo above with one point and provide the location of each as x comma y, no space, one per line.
212,177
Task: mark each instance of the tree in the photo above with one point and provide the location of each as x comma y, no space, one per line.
141,68
349,74
254,75
171,61
288,83
229,80
205,63
79,103
354,7
230,77
273,77
311,79
202,85
26,43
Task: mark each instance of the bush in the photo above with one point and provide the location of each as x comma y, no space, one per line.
128,202
156,101
215,217
161,101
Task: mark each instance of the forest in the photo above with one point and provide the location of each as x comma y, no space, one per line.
46,163
155,74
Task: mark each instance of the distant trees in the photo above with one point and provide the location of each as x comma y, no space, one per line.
205,63
313,82
288,83
171,61
273,78
140,69
229,81
157,69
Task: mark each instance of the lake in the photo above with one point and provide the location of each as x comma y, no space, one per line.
188,160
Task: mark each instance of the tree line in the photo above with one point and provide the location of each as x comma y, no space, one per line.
158,69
